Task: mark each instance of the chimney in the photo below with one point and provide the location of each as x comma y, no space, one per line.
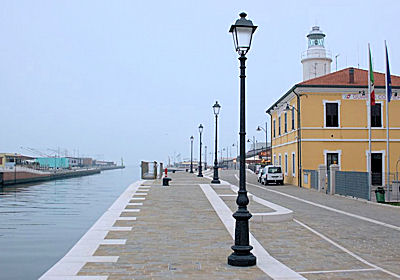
351,75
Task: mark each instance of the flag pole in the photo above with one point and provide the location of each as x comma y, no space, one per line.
387,125
369,160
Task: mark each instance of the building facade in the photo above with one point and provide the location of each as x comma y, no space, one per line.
324,120
53,162
9,160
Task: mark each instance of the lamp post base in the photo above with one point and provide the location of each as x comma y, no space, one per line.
200,175
242,256
215,179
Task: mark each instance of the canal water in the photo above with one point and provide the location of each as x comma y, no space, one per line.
40,223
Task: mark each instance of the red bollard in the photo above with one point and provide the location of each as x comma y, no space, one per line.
166,179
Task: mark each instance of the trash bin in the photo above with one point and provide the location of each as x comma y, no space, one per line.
380,194
165,181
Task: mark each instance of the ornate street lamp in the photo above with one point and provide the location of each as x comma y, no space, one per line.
200,131
191,153
242,32
259,128
216,109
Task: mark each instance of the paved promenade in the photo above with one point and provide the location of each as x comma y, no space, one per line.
185,231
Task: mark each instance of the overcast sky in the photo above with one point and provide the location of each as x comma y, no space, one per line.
136,78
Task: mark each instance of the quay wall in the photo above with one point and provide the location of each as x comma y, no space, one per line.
24,177
112,167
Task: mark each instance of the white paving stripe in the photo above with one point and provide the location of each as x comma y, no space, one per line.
135,204
280,213
126,219
330,208
120,229
85,259
113,242
138,198
78,277
346,250
130,210
339,271
265,261
82,252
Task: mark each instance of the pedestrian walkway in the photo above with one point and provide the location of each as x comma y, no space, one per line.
185,231
331,237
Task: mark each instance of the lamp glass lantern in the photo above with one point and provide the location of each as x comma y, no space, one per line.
216,108
191,138
201,128
242,32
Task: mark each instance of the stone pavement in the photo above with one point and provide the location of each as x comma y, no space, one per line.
176,235
338,244
178,232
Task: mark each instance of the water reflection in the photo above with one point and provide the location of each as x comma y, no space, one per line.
40,222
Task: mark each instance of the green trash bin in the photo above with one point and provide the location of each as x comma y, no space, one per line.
380,194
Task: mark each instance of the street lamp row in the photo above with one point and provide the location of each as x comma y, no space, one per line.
215,180
242,32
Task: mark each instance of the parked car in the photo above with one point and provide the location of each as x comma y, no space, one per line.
272,174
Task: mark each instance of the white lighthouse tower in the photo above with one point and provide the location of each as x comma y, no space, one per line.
316,59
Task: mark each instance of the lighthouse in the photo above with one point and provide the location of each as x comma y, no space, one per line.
316,59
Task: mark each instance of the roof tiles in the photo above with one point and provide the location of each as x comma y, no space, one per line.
342,78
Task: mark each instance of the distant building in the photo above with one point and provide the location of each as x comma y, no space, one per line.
75,161
103,163
53,162
87,161
10,159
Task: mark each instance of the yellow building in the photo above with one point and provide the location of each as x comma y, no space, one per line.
324,120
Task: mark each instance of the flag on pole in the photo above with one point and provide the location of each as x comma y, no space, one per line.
388,79
371,79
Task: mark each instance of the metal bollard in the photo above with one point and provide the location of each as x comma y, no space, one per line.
165,181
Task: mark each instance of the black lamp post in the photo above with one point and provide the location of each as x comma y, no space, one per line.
205,157
191,153
200,131
259,128
216,109
242,32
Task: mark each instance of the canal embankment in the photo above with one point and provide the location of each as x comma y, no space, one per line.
28,175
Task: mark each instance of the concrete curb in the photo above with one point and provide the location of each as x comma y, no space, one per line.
280,214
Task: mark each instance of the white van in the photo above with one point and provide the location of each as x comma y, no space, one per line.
272,174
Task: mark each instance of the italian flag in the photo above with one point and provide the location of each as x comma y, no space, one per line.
371,80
